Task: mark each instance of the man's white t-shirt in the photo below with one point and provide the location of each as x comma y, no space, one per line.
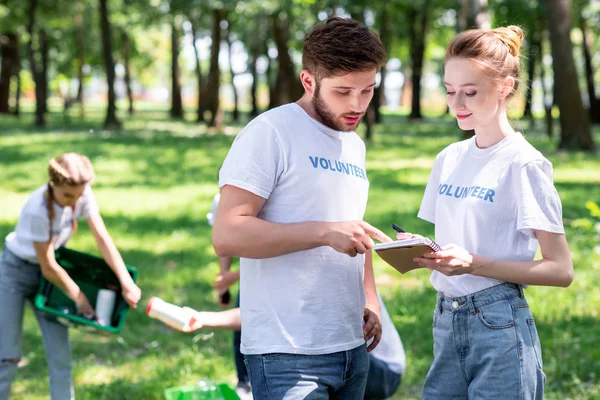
490,201
34,226
312,301
390,349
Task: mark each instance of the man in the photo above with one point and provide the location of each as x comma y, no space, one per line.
293,196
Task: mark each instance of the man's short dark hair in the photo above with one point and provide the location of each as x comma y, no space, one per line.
339,46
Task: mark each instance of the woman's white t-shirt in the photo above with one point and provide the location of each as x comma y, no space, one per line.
490,201
34,224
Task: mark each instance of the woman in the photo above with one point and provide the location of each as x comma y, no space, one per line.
492,201
47,221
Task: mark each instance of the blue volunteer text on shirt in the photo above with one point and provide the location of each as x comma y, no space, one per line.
338,166
459,192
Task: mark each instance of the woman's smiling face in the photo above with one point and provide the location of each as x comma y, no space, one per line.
472,96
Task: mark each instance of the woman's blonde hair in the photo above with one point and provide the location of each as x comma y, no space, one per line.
495,50
70,169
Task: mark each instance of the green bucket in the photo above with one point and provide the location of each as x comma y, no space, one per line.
203,391
91,274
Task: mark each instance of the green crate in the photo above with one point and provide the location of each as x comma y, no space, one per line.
91,274
222,391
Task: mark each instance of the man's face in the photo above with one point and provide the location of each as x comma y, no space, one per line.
341,101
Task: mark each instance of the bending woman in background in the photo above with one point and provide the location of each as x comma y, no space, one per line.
47,221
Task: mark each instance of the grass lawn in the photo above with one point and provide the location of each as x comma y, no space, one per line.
155,182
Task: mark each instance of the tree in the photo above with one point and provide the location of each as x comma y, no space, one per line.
474,14
214,75
40,76
419,18
13,20
287,84
111,120
548,93
574,121
534,55
8,68
255,51
200,83
176,103
80,50
386,38
228,39
127,67
589,71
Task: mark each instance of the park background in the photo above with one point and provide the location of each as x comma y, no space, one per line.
154,92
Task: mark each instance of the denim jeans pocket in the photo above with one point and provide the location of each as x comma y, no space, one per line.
436,312
247,364
498,315
535,339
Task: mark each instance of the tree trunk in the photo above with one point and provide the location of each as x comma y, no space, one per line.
17,111
419,27
589,72
80,51
474,14
111,120
386,38
176,103
199,84
236,111
574,121
40,119
214,75
10,59
270,80
534,51
254,54
43,35
287,84
127,66
548,93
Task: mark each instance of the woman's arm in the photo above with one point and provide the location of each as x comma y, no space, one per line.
56,274
554,269
131,292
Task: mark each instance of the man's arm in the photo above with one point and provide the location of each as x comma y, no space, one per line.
238,231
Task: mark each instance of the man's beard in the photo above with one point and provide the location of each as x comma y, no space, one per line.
326,117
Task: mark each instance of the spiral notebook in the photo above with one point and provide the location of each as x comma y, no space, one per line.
400,253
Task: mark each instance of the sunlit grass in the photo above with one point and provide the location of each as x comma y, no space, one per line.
155,181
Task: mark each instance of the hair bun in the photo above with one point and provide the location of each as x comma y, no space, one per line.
512,36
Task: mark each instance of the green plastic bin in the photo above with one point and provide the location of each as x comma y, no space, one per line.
221,391
91,274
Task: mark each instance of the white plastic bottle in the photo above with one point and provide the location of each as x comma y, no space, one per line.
174,316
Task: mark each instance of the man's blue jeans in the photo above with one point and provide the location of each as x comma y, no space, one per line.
341,375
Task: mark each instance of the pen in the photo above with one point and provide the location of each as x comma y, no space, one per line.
398,229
